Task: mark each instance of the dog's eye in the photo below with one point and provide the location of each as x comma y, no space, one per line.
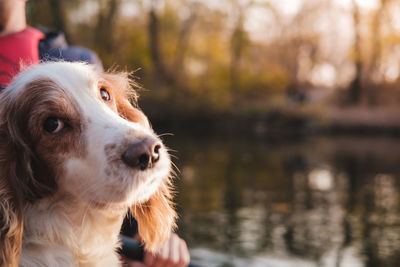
53,125
105,95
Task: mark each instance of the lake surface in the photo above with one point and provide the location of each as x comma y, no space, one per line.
316,202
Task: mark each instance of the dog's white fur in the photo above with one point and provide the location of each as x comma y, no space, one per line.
68,201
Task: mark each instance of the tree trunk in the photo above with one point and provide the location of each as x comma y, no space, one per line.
155,47
237,46
161,75
355,89
183,40
58,17
373,70
105,25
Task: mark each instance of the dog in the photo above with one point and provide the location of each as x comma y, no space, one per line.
76,153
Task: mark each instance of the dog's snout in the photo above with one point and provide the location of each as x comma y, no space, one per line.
143,154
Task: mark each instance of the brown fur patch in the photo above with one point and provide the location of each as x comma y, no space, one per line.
29,157
42,99
156,217
121,92
11,225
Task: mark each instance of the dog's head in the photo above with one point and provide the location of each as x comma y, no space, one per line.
67,129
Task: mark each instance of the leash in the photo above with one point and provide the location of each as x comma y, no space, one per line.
134,251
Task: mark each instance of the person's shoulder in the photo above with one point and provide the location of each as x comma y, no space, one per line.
34,32
55,47
28,34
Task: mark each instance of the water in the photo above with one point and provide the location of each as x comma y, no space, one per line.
319,202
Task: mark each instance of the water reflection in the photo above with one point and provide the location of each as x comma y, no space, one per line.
326,202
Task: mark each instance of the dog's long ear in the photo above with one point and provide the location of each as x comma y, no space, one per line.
125,97
11,204
22,179
156,217
11,223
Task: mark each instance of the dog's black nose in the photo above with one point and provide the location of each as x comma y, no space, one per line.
143,154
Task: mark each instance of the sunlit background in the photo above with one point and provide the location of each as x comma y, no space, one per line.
285,115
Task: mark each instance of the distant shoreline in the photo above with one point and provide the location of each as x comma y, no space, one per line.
283,123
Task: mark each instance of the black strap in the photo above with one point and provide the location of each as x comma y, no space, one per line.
133,250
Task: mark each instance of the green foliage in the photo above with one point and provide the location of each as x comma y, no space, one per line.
207,58
263,84
210,52
38,13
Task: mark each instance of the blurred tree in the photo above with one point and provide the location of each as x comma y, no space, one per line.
374,70
209,55
238,43
57,9
160,73
52,14
300,40
105,27
355,89
39,13
184,36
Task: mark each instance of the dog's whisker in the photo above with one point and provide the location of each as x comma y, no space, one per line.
171,150
174,173
174,156
175,167
165,134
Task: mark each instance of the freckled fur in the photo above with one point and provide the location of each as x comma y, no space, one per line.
63,196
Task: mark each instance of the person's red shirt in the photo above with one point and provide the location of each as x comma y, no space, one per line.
16,50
